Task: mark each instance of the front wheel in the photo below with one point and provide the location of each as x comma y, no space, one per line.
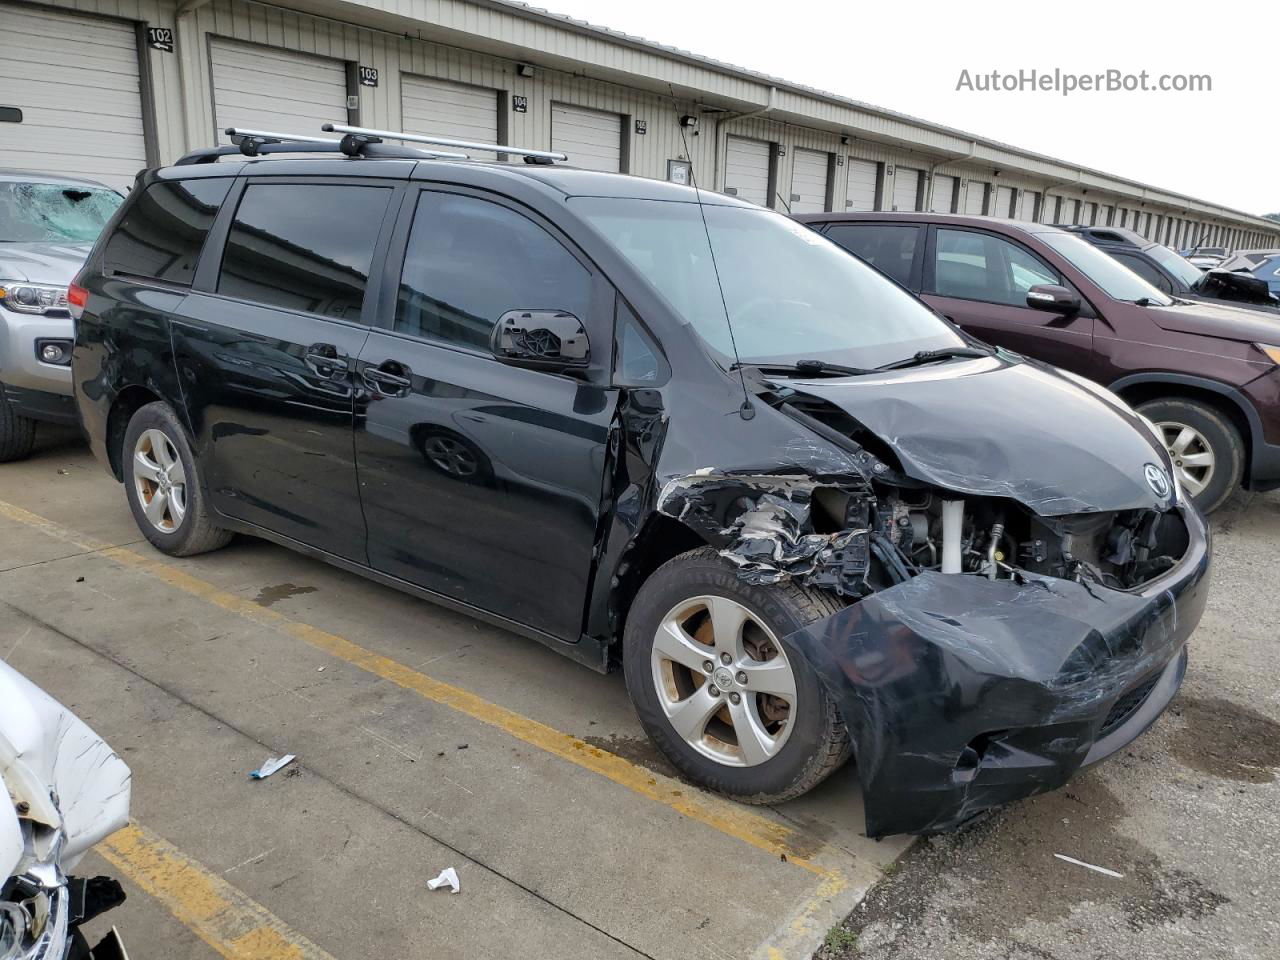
1206,450
720,691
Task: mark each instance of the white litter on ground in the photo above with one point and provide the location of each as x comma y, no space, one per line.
448,877
1089,866
271,766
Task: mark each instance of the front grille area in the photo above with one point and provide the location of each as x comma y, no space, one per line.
1128,705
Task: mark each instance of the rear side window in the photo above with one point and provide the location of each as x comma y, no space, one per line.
890,248
161,235
469,261
304,246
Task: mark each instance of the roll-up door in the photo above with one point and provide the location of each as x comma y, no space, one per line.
906,189
1106,215
809,170
1090,214
746,170
975,198
944,193
1004,202
592,139
443,108
76,80
1028,203
1070,211
266,88
864,176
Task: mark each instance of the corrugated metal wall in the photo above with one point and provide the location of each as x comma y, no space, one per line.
181,90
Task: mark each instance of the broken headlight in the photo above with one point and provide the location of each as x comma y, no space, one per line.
14,927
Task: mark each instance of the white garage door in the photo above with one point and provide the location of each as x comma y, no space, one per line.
443,108
591,139
1027,203
906,188
975,198
1004,202
944,193
746,170
863,177
1106,215
808,181
76,81
266,88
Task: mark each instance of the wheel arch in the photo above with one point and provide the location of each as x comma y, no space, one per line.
1140,388
127,402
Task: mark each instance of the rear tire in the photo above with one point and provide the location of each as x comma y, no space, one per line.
1208,452
17,433
772,759
165,490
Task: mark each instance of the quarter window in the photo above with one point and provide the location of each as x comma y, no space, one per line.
469,261
304,246
889,248
979,266
162,233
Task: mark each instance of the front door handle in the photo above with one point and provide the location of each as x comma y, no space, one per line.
327,360
390,378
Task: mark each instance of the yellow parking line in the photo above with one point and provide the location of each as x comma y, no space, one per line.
722,815
234,925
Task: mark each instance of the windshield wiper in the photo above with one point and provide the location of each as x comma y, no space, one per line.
929,356
806,368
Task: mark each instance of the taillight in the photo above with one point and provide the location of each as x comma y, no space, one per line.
77,297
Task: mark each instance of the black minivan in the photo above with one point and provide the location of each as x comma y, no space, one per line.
658,429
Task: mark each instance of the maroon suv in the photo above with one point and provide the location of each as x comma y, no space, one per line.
1207,375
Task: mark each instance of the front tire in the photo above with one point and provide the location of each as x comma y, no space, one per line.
17,433
164,487
718,689
1207,451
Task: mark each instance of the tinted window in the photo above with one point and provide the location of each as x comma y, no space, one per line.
890,248
978,266
1115,279
161,235
304,246
470,261
1146,271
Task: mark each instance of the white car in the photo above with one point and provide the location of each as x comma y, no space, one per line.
65,790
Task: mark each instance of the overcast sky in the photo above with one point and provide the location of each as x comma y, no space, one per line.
1220,146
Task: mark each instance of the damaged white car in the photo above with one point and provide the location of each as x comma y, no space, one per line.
66,791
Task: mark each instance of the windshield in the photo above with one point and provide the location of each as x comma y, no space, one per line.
1115,279
791,294
54,212
1179,266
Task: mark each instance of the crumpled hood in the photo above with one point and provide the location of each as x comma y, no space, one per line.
1241,323
1002,428
54,263
45,749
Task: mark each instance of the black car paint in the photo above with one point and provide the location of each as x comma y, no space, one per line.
653,444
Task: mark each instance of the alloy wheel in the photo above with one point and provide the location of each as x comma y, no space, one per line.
451,456
160,480
723,681
1193,459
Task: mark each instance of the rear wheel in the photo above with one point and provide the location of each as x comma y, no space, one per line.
1207,451
720,690
163,485
17,433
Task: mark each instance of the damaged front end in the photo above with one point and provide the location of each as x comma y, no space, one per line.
999,633
66,790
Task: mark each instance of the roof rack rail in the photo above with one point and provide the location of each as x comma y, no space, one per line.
254,143
353,136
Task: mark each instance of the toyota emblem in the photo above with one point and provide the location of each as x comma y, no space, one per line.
1157,480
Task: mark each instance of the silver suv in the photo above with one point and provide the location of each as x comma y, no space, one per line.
47,226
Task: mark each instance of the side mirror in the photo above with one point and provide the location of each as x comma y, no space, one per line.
542,339
1053,298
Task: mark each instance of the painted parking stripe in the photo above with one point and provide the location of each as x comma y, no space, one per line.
235,926
723,815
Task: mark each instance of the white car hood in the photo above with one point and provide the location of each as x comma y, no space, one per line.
68,777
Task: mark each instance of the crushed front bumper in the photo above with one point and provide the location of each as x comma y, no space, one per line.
962,693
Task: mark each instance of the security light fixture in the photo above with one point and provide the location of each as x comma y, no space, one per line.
524,70
688,121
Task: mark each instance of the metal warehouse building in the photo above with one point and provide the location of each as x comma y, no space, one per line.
108,86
